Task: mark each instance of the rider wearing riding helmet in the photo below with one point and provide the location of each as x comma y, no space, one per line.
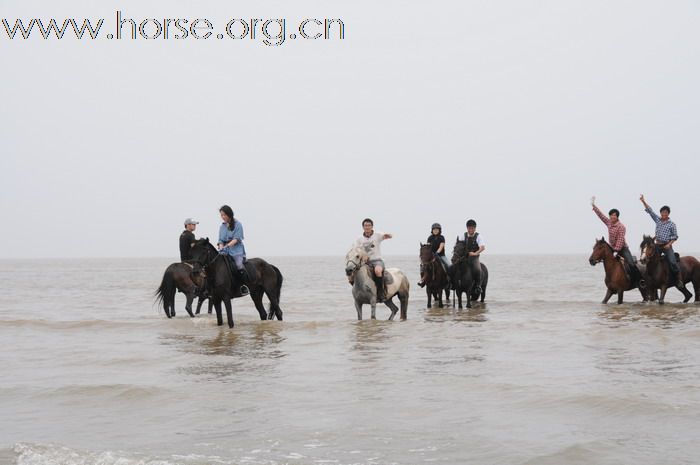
437,242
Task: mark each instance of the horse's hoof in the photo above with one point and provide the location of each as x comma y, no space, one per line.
661,302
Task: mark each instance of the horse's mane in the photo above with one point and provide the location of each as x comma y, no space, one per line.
646,240
598,241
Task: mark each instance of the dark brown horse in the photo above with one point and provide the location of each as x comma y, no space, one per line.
617,280
659,272
221,285
461,278
185,278
434,275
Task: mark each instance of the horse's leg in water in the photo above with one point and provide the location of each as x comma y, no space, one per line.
217,305
439,297
200,301
620,293
696,288
256,295
403,299
686,294
608,294
390,303
275,309
469,298
210,306
374,310
483,293
429,293
358,307
229,312
662,293
190,298
459,297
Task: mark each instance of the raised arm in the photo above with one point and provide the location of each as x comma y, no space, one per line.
601,215
648,209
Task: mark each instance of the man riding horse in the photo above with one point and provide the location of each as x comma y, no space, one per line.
666,236
370,242
475,246
616,238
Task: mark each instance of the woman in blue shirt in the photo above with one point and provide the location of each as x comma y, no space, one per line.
231,243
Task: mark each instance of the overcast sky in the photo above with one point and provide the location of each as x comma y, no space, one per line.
510,112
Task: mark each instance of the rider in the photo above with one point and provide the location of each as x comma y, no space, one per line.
187,239
475,246
370,241
231,243
616,237
437,241
666,236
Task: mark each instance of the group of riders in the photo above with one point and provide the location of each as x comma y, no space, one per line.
370,241
230,244
666,235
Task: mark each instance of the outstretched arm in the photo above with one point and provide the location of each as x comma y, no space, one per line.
648,209
644,202
387,236
601,215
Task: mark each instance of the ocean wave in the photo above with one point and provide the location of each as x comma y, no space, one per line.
75,324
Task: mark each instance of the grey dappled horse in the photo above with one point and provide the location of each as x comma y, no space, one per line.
364,289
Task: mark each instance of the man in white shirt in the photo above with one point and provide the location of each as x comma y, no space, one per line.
370,241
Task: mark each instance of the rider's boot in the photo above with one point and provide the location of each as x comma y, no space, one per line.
245,279
380,288
679,280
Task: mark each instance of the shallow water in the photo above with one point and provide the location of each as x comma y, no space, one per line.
93,373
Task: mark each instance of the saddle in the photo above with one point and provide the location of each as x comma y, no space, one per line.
236,279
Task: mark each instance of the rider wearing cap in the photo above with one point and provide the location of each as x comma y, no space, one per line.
187,239
437,242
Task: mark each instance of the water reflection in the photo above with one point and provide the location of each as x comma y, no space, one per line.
249,348
662,316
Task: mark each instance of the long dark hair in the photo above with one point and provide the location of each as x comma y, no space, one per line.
229,212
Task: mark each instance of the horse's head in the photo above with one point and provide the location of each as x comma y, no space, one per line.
601,249
203,252
354,259
426,253
459,251
648,249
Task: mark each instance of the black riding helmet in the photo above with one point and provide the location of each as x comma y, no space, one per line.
436,226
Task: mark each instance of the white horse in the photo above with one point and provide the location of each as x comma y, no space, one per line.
364,288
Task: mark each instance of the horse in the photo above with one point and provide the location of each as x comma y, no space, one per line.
435,275
364,289
462,280
264,278
616,279
185,278
659,273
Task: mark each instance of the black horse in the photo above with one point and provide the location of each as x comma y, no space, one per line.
434,275
462,279
185,278
264,278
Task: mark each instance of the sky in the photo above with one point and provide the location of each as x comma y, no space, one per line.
513,113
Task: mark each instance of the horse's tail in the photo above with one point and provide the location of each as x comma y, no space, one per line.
278,288
165,294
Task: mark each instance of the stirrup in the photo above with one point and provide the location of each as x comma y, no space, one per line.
244,290
642,284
